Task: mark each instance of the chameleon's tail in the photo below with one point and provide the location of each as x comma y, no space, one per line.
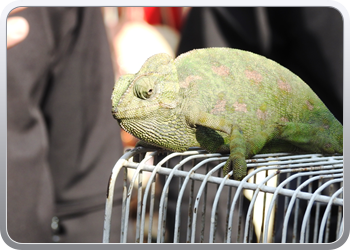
336,132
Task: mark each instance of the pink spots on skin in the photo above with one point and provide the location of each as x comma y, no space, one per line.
284,119
253,75
309,105
263,115
241,107
325,126
219,107
188,80
221,70
284,86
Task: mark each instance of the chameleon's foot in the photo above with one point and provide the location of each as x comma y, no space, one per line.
239,167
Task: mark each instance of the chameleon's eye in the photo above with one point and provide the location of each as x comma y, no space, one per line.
144,86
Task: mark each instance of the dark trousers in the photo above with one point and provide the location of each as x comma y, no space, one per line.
62,141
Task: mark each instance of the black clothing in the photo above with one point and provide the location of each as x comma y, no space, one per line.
62,139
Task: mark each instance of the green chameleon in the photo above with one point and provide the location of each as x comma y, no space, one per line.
227,101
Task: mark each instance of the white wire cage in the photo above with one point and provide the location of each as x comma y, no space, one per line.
183,198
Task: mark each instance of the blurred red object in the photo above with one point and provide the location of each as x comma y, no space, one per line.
128,140
171,16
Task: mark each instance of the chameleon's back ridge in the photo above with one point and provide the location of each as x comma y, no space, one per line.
224,100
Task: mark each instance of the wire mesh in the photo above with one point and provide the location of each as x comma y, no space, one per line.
183,197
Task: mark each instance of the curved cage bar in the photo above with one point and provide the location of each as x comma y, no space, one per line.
184,197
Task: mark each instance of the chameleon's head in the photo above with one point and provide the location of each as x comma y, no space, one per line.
154,87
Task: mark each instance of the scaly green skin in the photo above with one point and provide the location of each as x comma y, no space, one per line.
227,101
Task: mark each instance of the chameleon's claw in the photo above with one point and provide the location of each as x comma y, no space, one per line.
239,167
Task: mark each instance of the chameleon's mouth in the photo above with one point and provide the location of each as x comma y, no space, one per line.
139,110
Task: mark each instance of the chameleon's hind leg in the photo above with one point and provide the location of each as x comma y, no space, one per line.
313,138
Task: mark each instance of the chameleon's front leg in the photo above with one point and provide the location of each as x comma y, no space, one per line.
236,160
242,148
237,145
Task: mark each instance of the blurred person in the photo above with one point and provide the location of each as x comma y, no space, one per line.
17,28
62,140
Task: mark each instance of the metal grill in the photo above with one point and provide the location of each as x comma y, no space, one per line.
182,197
